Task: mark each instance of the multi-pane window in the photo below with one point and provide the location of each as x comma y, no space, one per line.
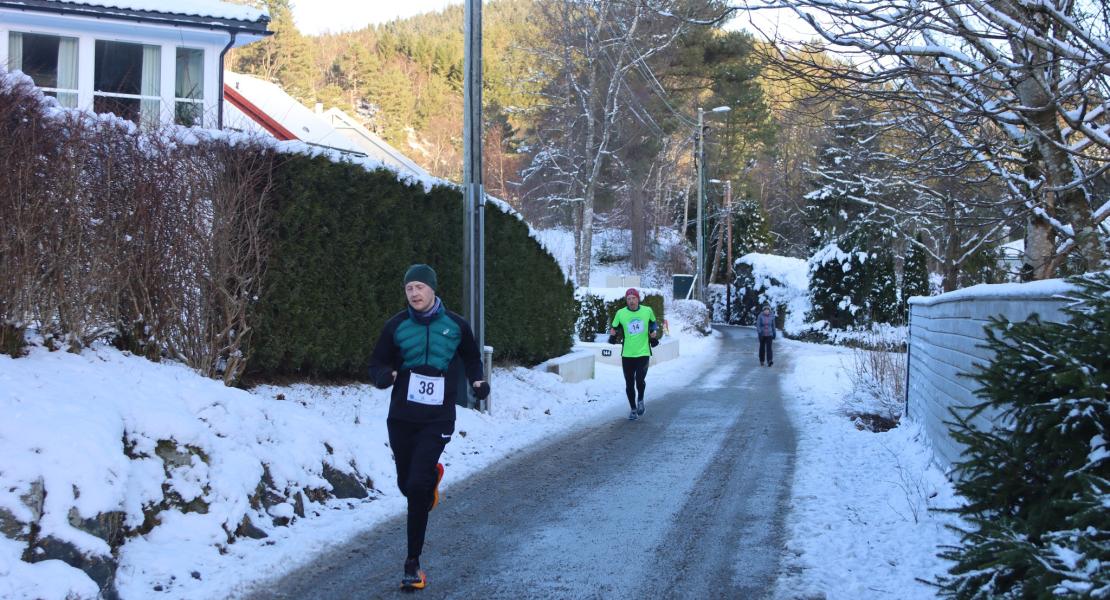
127,81
189,94
49,60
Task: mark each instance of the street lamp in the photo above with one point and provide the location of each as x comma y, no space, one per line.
699,273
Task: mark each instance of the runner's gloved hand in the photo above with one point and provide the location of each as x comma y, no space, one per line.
613,339
653,342
481,390
382,379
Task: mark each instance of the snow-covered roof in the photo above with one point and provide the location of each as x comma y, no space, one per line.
196,13
310,127
370,143
297,118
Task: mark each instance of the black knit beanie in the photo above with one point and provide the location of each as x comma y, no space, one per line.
422,273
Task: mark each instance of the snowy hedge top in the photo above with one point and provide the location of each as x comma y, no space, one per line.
792,272
194,135
194,8
609,294
999,291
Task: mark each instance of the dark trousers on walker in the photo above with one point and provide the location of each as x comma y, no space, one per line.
765,349
416,450
635,372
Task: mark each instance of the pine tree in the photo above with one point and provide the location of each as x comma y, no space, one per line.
915,275
285,57
852,278
1038,484
882,297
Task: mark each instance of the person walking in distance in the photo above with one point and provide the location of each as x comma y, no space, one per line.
427,353
765,329
637,325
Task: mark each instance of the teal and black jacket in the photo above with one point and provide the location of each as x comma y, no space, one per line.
439,345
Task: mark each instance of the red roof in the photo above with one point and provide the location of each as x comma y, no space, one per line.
257,115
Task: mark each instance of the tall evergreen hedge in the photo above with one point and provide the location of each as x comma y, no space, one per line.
343,239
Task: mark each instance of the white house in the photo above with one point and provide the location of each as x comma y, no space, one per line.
149,61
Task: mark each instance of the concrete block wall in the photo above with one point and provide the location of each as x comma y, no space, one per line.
946,338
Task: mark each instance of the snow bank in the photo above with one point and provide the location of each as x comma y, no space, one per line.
863,519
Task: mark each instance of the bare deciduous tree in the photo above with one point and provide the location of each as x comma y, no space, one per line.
1022,88
595,44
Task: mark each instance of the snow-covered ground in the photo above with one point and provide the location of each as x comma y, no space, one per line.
862,522
859,525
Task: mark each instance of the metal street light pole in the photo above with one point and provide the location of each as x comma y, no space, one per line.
474,197
699,272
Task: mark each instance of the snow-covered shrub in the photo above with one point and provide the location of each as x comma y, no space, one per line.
779,281
1037,483
852,288
591,315
691,316
612,245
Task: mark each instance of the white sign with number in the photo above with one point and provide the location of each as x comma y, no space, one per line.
425,390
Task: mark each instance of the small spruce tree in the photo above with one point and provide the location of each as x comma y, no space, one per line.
915,275
1037,484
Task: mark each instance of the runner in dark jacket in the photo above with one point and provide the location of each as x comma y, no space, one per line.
428,354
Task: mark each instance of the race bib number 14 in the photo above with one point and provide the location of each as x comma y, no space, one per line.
635,326
425,390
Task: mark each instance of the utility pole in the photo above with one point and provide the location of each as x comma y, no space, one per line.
731,276
474,197
699,272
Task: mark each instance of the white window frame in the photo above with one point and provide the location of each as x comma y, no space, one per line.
87,31
202,82
73,94
147,118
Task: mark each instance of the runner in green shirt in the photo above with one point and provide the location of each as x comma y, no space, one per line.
641,332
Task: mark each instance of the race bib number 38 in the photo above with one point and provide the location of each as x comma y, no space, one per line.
425,390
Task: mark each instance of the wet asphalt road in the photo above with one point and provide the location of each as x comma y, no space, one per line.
687,502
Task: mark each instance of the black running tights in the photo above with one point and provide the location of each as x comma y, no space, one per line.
635,370
416,450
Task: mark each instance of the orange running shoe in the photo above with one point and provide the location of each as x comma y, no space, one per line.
414,578
435,491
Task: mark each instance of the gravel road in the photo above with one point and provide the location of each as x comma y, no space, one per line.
687,502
